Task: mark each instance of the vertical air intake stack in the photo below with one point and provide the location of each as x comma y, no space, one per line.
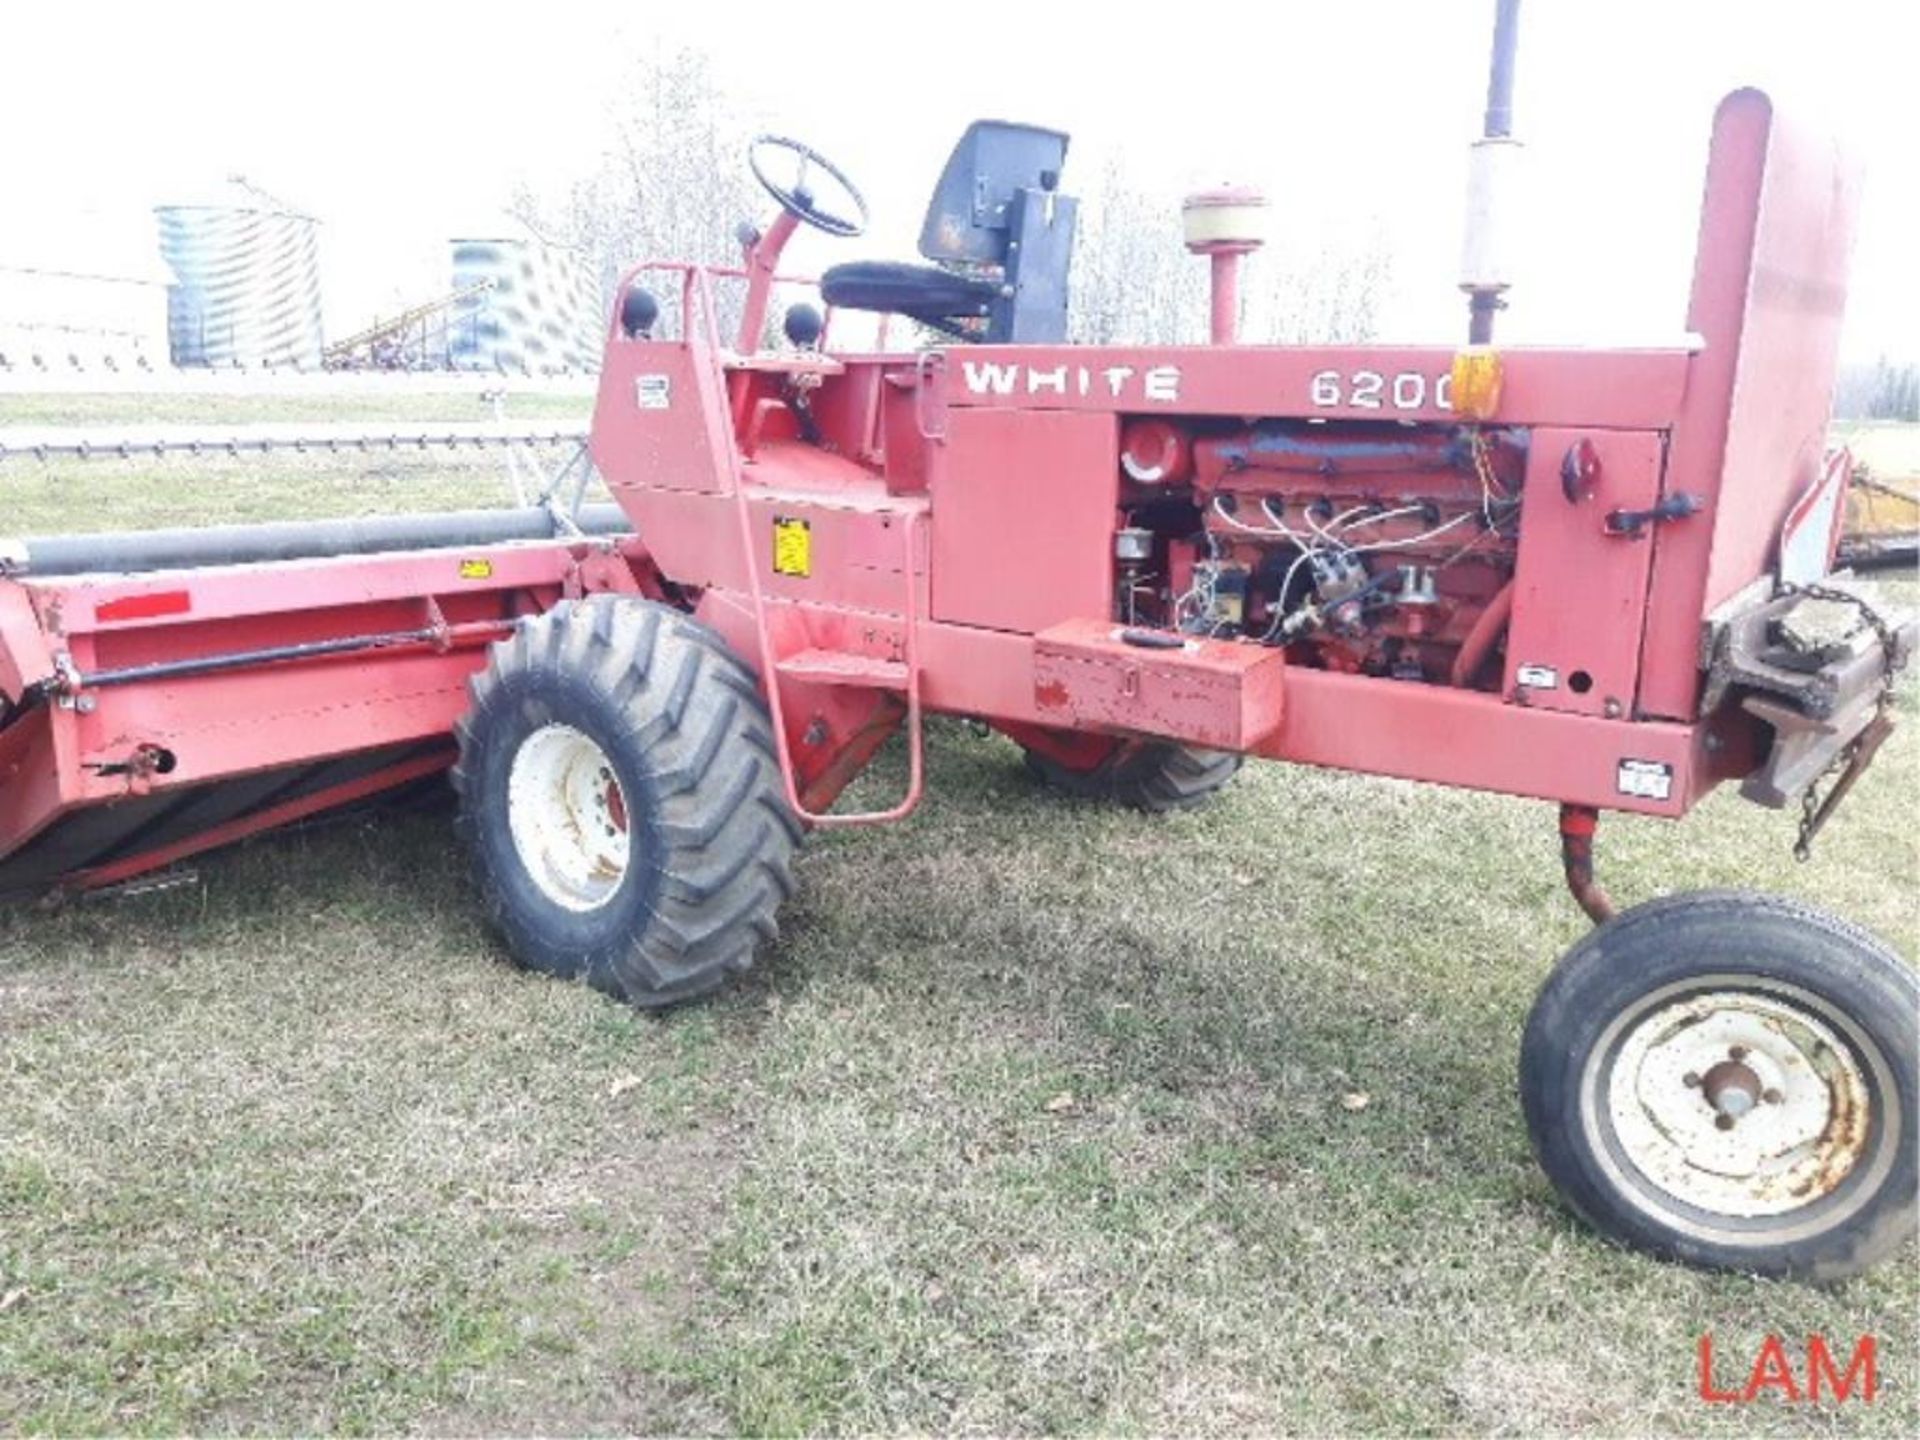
1225,225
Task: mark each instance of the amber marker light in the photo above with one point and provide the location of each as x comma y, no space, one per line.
1475,383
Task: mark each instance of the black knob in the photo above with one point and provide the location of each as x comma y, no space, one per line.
638,311
804,324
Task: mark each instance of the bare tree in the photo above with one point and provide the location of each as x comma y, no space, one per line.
1135,283
1320,293
1883,390
669,183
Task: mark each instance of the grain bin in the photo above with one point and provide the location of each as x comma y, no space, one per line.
543,315
246,279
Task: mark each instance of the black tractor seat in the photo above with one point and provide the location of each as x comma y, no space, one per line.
1001,234
936,297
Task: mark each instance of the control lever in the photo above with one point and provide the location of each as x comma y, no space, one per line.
1633,523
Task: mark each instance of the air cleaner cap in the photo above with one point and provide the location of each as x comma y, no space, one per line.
1232,217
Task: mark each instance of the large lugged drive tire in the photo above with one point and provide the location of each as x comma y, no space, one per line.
1728,1079
622,801
1154,775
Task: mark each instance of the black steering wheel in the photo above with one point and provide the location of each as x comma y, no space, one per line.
798,199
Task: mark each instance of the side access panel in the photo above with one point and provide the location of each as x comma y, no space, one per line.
1023,518
650,422
1580,593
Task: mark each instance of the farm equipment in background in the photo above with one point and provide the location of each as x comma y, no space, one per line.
419,338
1883,522
1583,576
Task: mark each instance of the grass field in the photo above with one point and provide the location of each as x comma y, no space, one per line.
1041,1116
131,494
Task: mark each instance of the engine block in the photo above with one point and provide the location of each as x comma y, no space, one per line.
1365,548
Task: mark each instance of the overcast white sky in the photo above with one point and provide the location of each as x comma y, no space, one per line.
400,124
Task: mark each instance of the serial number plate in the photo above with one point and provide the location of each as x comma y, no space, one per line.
1645,779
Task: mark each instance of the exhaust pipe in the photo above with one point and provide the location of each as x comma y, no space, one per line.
1484,261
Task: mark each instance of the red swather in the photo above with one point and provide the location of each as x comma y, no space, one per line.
1125,558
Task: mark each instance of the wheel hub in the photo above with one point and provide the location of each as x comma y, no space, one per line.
1739,1103
1733,1089
568,817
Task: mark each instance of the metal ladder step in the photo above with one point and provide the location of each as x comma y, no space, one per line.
837,667
815,666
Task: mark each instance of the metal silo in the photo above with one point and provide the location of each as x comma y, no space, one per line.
247,280
542,314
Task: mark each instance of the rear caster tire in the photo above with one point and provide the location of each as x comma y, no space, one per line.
620,796
1150,775
1728,1079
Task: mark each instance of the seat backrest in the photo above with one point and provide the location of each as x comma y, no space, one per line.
1000,186
968,218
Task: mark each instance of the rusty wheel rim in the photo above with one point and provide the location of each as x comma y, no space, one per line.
1737,1103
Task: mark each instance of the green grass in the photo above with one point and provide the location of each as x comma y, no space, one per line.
39,498
294,1149
220,409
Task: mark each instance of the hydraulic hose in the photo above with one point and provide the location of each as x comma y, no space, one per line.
1480,639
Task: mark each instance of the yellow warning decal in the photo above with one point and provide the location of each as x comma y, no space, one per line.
476,569
792,547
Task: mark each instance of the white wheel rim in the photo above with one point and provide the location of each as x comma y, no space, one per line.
1738,1103
568,816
